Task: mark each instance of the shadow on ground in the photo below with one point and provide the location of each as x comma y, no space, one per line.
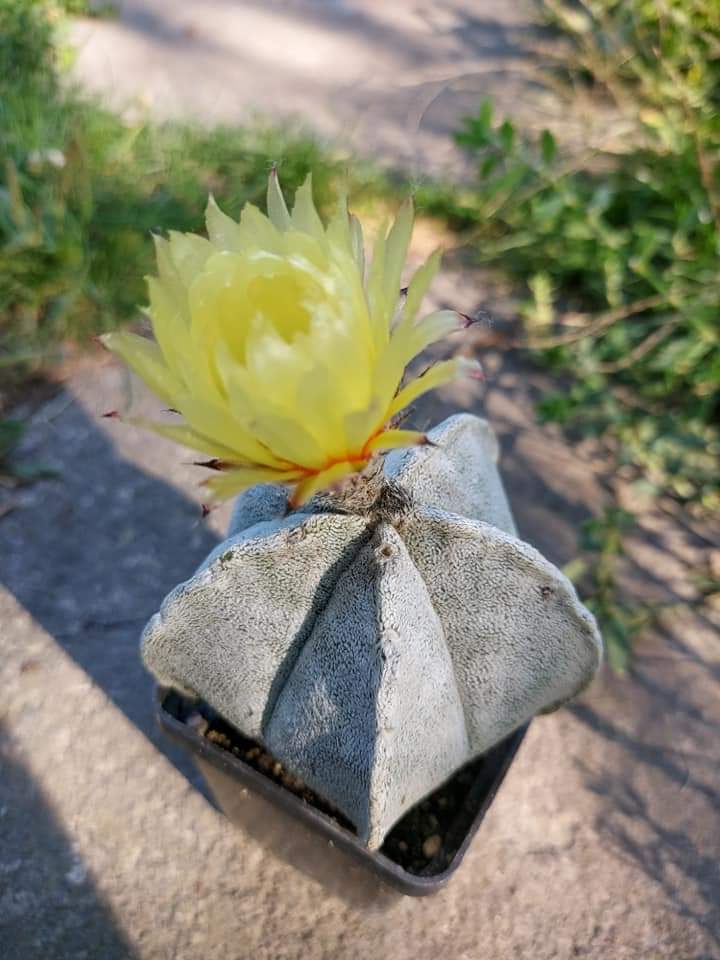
47,879
657,782
472,36
91,554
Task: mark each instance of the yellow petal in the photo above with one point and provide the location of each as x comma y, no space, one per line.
217,424
170,327
289,441
431,328
258,231
276,206
229,482
436,376
338,230
360,424
145,358
222,230
167,272
305,217
419,286
407,343
392,439
376,289
358,243
396,250
185,436
189,254
326,478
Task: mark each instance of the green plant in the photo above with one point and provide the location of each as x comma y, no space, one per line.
623,271
619,254
81,194
14,472
88,8
597,570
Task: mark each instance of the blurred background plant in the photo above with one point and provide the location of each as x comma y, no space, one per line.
618,251
81,192
88,8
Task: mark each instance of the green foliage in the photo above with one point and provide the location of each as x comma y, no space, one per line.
622,264
81,194
596,571
12,471
636,250
27,54
620,254
87,8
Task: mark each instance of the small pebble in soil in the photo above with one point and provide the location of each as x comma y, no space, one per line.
198,723
432,846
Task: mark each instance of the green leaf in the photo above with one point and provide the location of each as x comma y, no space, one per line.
485,114
548,147
11,432
507,136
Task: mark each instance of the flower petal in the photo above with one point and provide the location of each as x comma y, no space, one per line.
358,243
380,321
222,230
229,482
217,424
325,478
338,230
185,436
189,254
419,286
392,439
438,375
170,326
258,231
146,359
406,343
289,440
276,206
305,218
396,250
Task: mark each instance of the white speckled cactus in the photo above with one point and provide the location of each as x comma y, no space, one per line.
376,650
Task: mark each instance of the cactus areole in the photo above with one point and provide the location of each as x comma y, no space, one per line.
372,619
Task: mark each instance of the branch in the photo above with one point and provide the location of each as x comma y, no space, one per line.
645,346
601,323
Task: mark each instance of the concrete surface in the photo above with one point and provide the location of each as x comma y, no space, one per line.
386,80
604,842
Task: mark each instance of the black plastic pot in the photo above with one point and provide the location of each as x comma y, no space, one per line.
289,826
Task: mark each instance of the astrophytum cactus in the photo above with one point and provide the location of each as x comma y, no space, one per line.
377,640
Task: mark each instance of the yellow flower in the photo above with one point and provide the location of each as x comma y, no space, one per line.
283,359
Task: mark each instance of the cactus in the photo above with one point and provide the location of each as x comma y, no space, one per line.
376,642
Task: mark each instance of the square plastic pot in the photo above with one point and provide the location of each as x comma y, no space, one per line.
294,830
